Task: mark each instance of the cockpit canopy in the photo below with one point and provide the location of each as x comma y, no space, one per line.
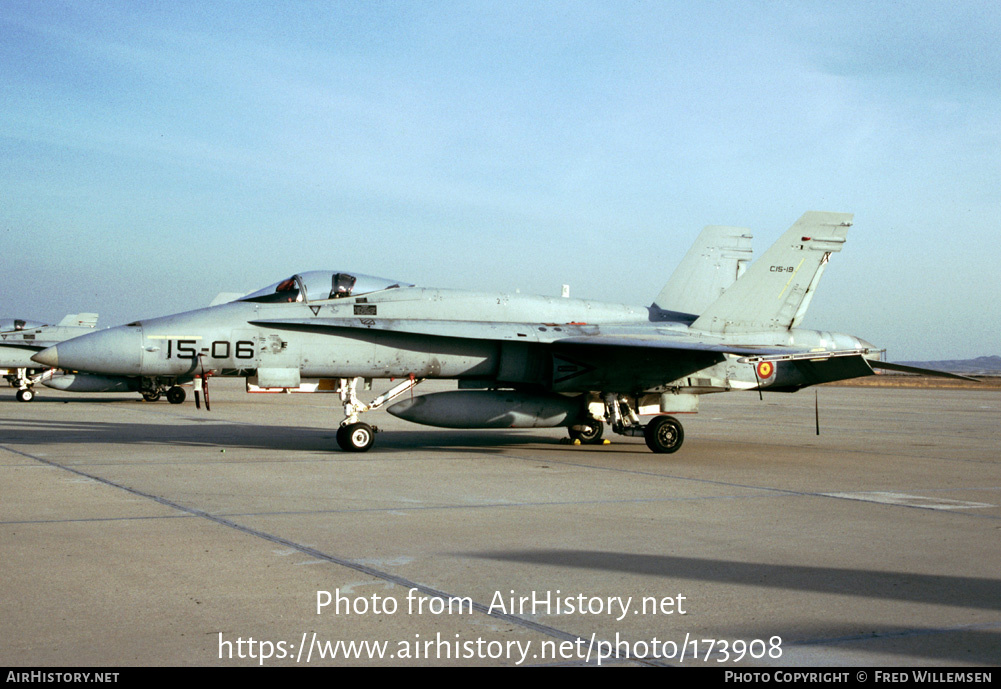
8,324
318,285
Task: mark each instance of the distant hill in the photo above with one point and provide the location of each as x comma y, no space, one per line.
982,365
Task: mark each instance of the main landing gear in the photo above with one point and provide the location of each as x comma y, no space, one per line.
588,432
663,434
354,435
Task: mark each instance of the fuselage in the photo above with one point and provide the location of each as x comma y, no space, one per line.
374,336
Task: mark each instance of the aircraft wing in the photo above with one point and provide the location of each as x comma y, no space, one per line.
585,357
617,345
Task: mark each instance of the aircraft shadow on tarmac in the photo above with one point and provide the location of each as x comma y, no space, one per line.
313,438
978,645
959,591
207,431
41,400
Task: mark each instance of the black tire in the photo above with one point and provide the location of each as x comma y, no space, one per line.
25,395
664,434
151,396
355,437
592,436
176,395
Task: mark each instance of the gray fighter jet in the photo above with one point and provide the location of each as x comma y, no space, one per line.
718,256
520,361
21,339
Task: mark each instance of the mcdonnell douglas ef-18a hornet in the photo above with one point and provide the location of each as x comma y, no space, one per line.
20,339
521,361
717,258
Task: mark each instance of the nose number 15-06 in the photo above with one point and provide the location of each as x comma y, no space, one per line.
218,349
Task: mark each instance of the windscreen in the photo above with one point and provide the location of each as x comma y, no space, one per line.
319,285
7,324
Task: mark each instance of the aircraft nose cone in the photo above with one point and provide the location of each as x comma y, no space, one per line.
47,357
117,351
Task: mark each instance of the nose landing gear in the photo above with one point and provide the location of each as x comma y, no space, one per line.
354,435
152,389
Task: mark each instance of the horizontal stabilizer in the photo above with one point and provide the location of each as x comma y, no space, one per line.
797,373
918,371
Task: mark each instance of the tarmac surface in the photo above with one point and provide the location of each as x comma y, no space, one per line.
136,533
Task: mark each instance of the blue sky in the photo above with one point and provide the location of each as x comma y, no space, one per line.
154,154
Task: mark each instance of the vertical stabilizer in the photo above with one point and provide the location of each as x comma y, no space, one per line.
717,258
776,290
86,320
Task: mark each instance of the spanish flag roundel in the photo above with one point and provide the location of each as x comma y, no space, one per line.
765,369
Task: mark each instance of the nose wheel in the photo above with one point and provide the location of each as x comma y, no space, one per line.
355,437
25,395
152,389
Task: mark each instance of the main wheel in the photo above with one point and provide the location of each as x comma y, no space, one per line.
151,396
664,434
590,436
355,437
25,395
176,395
